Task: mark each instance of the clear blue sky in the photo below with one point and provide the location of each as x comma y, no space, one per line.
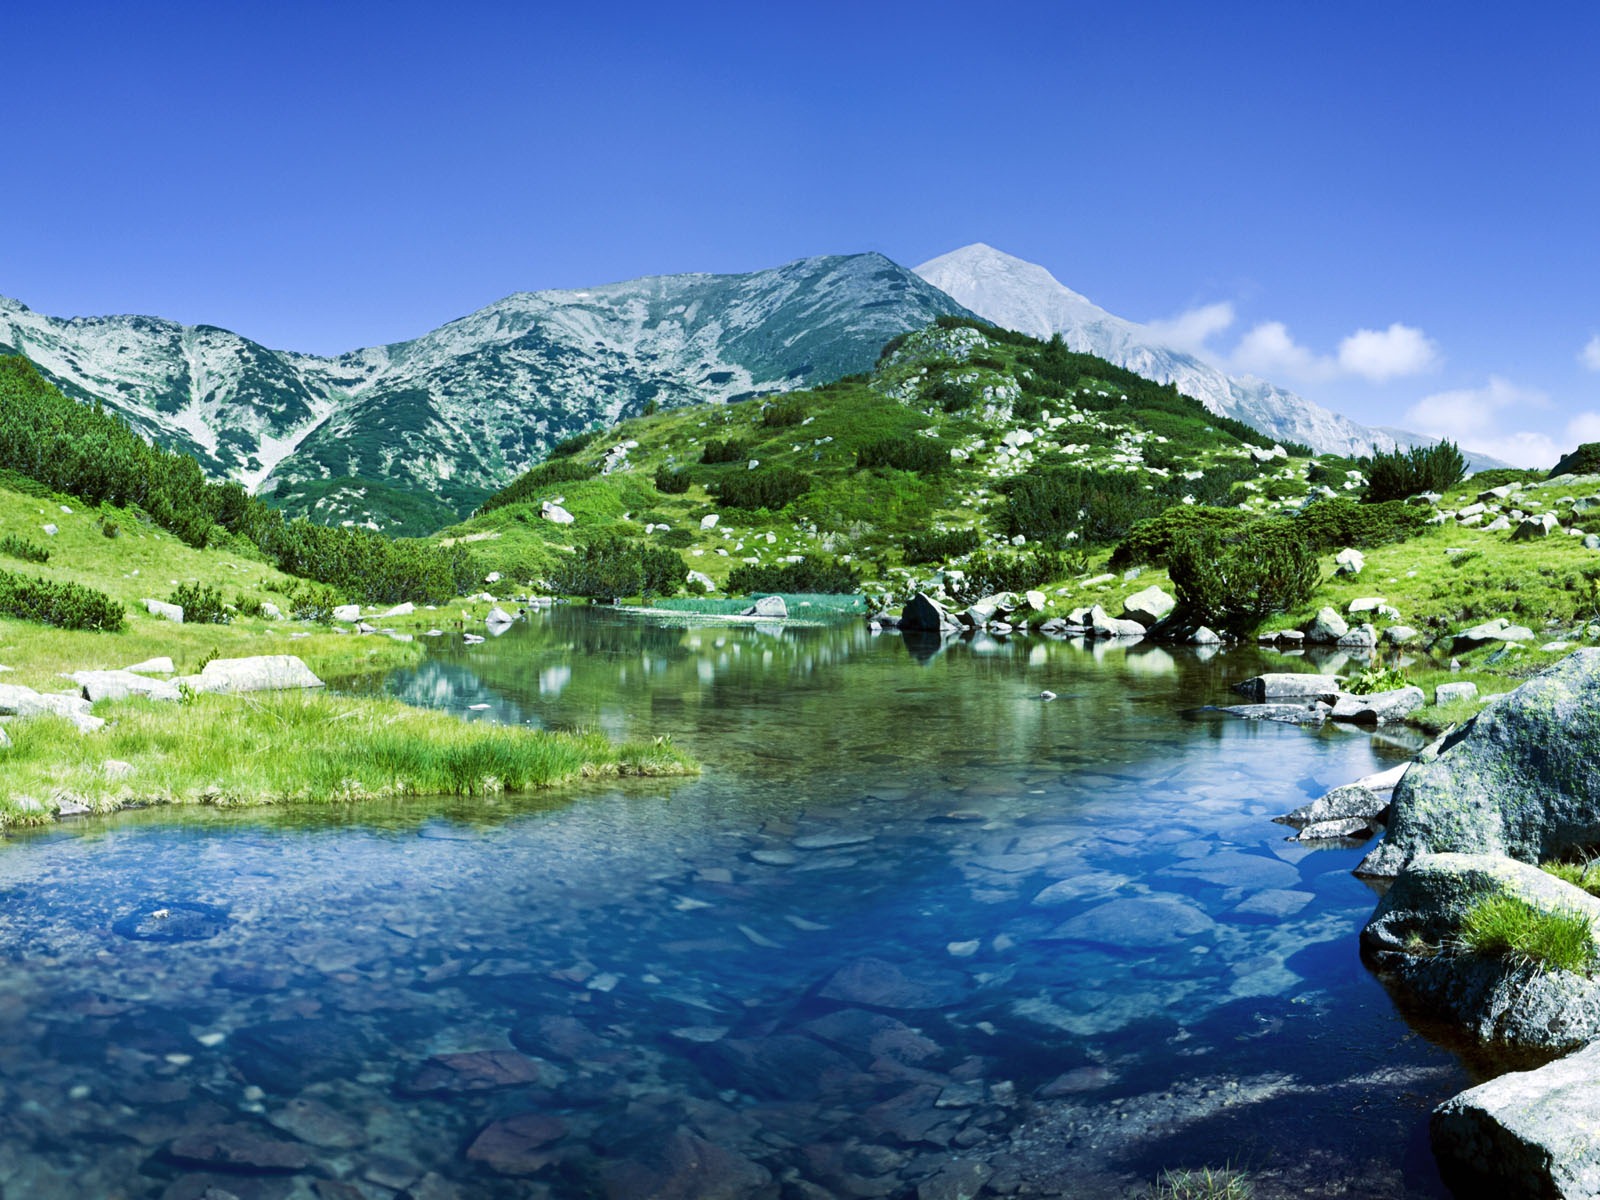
324,176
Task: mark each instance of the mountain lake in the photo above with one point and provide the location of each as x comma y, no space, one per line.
914,932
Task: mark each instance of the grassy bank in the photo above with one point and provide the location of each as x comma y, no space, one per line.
294,747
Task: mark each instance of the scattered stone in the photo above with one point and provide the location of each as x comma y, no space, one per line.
708,522
875,983
475,1071
1146,922
1379,708
1326,628
516,1145
1102,625
1349,562
1204,637
498,616
923,612
406,609
1365,604
261,673
238,1147
555,514
1149,606
1399,635
1449,693
153,666
1497,630
118,685
271,611
767,606
1286,686
314,1122
1531,528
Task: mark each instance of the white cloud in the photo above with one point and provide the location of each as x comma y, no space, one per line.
1269,350
1589,356
1191,330
1585,427
1384,354
1471,417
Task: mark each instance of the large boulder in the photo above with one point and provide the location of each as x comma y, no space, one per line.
1149,606
923,612
1527,1133
20,701
555,514
1540,526
1379,708
1522,778
1497,630
167,612
1327,627
1358,808
262,673
1103,625
1285,686
767,606
990,608
1413,939
118,685
1349,562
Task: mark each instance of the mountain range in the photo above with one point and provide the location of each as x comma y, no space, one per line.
412,435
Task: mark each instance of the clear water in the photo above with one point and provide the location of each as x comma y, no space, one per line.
912,928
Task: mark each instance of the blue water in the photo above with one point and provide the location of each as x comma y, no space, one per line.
913,927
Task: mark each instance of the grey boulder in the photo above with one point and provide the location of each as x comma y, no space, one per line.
1103,625
1522,778
1148,606
25,702
1497,630
119,685
1380,708
767,606
923,612
262,673
1326,628
167,612
1284,685
1527,1133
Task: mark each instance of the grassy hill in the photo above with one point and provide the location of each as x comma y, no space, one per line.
963,433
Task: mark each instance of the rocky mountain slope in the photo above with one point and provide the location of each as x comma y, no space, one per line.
411,435
1025,297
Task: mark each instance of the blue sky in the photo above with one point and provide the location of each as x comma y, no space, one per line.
326,176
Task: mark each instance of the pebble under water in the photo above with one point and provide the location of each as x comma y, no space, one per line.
913,933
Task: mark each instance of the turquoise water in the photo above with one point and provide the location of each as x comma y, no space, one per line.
914,930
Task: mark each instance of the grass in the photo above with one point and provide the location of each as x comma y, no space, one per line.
1508,927
296,747
1202,1183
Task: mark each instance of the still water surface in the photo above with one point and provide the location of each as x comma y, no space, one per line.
913,931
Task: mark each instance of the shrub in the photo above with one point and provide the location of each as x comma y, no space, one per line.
782,413
64,605
730,451
250,606
13,546
1149,541
313,602
1095,506
1330,469
771,488
546,474
920,454
678,539
814,573
986,574
949,395
1509,927
1500,476
670,482
567,447
939,547
610,568
1332,524
1396,474
1374,679
1204,1183
1234,581
201,605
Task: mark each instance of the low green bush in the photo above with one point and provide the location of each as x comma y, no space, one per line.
1396,474
1508,927
1339,522
567,447
780,414
1149,541
611,568
1233,581
672,482
313,602
201,605
922,455
64,605
1500,476
813,573
986,574
770,488
730,451
528,485
939,546
13,546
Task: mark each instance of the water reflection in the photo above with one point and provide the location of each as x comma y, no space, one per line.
916,931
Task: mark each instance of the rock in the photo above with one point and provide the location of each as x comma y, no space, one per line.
287,1055
1413,932
874,983
1349,562
167,612
923,612
406,609
1471,510
767,606
153,666
1540,526
1522,778
702,579
5,739
1362,637
1379,708
686,1167
1449,693
118,685
516,1145
1287,714
498,616
956,1181
261,673
786,1066
1399,635
1149,606
1499,525
1527,1133
555,514
1145,922
271,611
50,530
1365,798
1365,604
1203,637
1326,628
314,1122
475,1071
347,612
1103,626
1338,829
1285,686
20,701
1036,600
363,627
708,522
238,1147
1497,630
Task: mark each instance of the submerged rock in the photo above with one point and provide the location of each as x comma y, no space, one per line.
238,1147
874,983
1522,778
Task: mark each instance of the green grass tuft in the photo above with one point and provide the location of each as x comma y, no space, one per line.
1202,1183
1509,927
1585,875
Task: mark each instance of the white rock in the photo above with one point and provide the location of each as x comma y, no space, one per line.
153,666
708,522
555,513
167,612
347,612
261,673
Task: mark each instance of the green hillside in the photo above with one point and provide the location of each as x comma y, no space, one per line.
963,438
